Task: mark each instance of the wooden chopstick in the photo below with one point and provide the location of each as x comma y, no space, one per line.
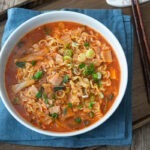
143,45
143,30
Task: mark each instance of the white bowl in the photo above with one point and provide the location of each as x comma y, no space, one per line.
53,17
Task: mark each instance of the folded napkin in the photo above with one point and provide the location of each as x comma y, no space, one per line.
115,131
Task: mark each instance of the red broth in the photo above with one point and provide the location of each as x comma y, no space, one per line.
62,76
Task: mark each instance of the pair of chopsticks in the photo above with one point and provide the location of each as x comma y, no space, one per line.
143,45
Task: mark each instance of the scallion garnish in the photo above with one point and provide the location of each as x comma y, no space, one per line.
53,96
68,52
86,44
20,44
20,64
54,115
89,70
16,101
45,98
39,94
91,104
57,88
70,105
110,96
78,120
47,30
82,65
38,75
33,63
65,78
97,76
65,111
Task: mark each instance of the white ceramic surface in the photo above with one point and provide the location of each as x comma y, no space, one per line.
123,3
53,17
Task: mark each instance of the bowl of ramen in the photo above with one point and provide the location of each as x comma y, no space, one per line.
62,73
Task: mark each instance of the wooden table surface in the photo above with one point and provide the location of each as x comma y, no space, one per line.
140,106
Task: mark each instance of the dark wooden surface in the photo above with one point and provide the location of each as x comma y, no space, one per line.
140,106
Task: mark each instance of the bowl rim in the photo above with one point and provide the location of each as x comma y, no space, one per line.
72,133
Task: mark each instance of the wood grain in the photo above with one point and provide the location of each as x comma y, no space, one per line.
141,139
5,4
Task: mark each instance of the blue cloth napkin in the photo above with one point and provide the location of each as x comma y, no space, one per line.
115,131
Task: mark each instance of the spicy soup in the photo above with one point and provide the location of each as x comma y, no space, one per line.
62,76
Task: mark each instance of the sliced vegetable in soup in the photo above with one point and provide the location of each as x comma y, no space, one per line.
62,76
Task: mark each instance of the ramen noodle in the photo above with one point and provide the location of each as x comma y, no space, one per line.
62,76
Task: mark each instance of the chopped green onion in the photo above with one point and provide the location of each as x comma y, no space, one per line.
45,98
97,76
53,96
47,30
70,66
54,115
74,44
16,101
80,107
86,44
38,75
78,120
91,114
51,105
90,54
68,58
33,63
81,57
82,65
57,88
39,94
92,98
91,104
67,45
20,64
110,96
20,44
100,83
68,52
65,78
101,95
65,111
89,70
70,105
